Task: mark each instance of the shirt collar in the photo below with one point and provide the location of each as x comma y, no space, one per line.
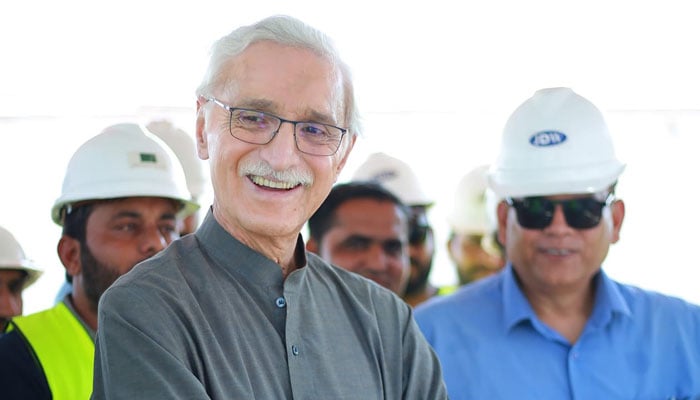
516,308
608,302
230,253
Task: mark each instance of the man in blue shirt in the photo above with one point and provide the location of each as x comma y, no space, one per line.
552,324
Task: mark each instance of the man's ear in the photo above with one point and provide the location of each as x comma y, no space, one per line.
502,214
200,134
348,149
69,253
618,216
449,245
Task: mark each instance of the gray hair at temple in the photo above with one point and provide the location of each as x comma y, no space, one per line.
287,31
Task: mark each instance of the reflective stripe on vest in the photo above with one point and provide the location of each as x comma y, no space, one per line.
64,349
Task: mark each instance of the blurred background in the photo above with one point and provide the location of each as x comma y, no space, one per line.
435,82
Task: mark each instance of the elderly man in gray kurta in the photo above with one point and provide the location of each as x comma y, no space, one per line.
239,310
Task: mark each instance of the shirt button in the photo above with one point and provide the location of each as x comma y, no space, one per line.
295,350
281,302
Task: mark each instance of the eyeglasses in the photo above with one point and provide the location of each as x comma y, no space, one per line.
580,213
417,234
257,127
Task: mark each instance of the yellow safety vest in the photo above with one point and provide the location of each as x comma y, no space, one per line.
64,349
445,290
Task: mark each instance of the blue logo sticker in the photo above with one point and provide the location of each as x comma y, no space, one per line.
547,138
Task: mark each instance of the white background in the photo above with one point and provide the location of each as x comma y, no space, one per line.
435,83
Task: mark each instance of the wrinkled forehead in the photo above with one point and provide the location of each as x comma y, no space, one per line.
276,75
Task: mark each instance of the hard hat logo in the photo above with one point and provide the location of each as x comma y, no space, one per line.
146,160
547,138
384,176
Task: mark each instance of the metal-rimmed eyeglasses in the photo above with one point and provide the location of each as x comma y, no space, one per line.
258,127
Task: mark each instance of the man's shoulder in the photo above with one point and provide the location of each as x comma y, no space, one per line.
146,284
321,267
20,376
164,267
42,320
469,295
13,345
364,289
640,298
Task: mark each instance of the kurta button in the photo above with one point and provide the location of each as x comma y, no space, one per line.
281,302
295,350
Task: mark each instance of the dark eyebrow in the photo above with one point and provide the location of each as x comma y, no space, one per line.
392,241
356,236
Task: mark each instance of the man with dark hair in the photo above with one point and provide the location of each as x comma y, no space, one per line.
399,178
121,199
363,228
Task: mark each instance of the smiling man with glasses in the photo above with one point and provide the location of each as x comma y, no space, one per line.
239,309
552,323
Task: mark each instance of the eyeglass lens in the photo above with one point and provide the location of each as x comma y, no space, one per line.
538,212
257,127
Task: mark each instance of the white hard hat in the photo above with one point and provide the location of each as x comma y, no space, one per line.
556,142
123,161
185,149
395,176
469,214
12,257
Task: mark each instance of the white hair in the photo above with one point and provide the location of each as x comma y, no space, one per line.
288,31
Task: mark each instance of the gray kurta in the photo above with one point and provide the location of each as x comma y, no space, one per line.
211,318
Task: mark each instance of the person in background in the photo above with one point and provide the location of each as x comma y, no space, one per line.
239,309
397,176
184,148
182,144
472,243
363,228
552,324
17,272
122,195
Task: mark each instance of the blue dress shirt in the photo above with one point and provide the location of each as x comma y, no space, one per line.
636,344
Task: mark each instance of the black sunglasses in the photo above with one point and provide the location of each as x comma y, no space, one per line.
417,234
580,213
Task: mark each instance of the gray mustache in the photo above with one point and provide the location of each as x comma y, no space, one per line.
261,168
